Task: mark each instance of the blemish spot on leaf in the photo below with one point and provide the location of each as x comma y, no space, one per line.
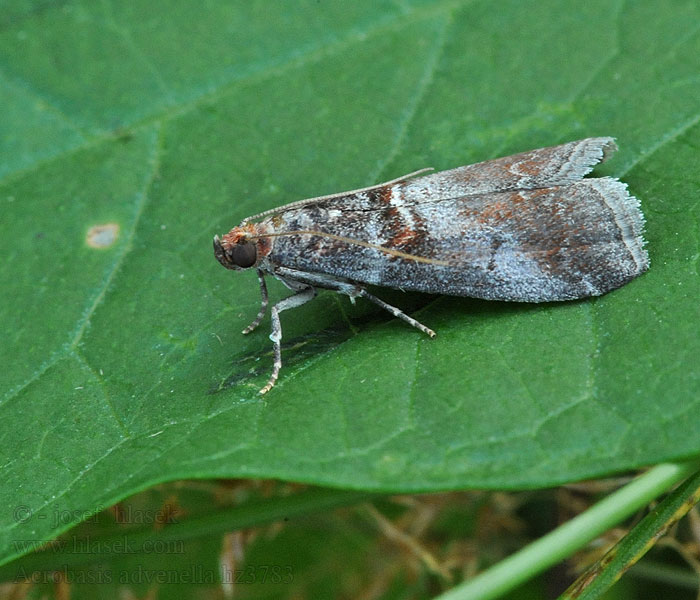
102,236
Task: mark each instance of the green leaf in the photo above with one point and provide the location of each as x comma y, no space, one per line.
123,364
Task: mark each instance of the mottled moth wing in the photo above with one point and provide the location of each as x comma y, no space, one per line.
524,228
543,167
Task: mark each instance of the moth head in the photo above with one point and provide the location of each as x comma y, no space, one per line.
235,251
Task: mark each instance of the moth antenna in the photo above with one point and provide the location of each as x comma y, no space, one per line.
299,203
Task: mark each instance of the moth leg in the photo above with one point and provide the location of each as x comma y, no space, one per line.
395,311
297,299
263,304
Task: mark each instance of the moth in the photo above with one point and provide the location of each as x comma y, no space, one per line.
524,228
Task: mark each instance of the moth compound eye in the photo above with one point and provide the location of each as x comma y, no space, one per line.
243,255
